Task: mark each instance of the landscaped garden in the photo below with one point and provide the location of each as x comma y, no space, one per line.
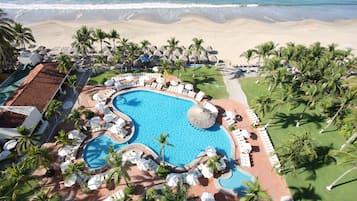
293,104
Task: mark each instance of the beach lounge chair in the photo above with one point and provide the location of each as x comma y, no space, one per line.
159,86
180,88
199,96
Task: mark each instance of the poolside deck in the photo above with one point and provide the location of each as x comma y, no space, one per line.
261,168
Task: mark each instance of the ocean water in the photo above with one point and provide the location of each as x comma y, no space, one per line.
167,11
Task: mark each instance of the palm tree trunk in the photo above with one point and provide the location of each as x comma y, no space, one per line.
333,119
329,187
101,47
163,155
349,141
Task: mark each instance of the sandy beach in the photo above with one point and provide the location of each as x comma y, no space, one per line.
230,39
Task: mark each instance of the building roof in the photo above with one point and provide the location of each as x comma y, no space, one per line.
10,119
39,87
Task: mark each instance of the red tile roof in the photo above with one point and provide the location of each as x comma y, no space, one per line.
10,119
39,87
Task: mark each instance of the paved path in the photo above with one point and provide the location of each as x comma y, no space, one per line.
233,87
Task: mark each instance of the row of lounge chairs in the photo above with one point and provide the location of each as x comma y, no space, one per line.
154,85
131,76
253,116
180,89
244,148
274,160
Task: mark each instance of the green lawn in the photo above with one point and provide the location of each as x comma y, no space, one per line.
310,186
102,77
208,79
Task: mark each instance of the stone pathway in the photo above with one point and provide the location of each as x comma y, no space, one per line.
230,75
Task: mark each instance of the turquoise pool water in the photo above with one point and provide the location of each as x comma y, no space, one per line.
235,182
155,113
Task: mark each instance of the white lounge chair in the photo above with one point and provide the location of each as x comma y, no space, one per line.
199,96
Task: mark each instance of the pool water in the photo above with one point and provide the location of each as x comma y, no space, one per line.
235,182
154,113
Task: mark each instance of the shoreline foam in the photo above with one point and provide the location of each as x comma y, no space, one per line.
230,38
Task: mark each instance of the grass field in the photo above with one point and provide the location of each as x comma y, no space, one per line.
102,77
308,183
207,79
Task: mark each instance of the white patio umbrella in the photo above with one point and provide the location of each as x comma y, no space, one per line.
64,151
173,179
173,82
94,120
10,144
74,134
129,78
132,156
71,181
231,114
97,97
155,69
211,151
206,172
94,182
191,179
99,106
143,164
189,86
247,147
65,165
109,83
245,133
206,196
108,117
120,122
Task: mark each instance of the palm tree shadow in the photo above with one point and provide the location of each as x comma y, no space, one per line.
305,193
285,120
346,182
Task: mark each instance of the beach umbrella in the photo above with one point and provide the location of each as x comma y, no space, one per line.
162,48
213,58
206,172
143,164
206,196
10,145
94,182
173,83
65,165
209,48
200,117
74,134
173,179
120,122
43,52
66,150
191,179
99,106
189,86
247,148
71,181
157,53
132,156
109,83
211,151
97,97
155,69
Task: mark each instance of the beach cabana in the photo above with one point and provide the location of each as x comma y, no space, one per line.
189,86
201,117
132,156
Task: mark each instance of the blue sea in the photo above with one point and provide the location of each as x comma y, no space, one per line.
168,11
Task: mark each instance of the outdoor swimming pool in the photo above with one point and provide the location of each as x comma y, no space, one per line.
154,113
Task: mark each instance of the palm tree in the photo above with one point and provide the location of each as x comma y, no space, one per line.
312,94
164,68
16,177
64,63
7,51
37,157
172,46
75,116
79,170
113,35
6,30
179,67
163,142
42,196
196,48
248,54
254,192
23,35
133,53
72,82
263,105
213,163
180,195
298,151
344,157
62,139
83,40
53,108
265,50
118,168
100,35
144,45
26,140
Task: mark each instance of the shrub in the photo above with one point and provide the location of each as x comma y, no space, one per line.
88,114
103,80
231,128
163,171
129,190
